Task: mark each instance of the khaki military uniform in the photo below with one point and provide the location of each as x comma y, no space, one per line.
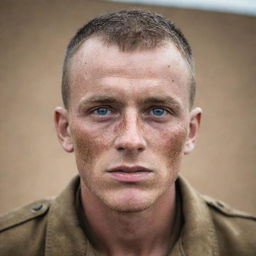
52,228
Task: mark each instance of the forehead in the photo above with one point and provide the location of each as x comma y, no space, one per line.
96,62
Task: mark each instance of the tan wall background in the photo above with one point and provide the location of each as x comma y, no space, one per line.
33,36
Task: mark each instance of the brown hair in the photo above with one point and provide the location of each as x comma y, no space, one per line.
129,30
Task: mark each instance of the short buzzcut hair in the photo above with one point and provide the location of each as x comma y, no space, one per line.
129,29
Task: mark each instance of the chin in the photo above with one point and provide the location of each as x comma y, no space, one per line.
132,208
130,203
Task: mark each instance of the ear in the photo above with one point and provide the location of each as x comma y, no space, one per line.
194,124
63,129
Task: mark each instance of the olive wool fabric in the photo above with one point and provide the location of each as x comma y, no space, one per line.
51,227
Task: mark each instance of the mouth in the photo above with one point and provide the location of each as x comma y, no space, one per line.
130,174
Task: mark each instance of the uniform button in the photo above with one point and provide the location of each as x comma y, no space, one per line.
220,204
37,207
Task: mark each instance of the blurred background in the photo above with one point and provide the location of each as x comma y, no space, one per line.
33,37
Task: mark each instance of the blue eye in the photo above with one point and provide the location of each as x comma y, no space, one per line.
102,111
158,111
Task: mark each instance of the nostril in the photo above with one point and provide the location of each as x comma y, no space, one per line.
140,149
129,148
120,148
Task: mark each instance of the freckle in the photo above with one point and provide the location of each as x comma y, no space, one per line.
172,80
169,66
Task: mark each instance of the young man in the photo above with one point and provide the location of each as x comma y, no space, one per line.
128,89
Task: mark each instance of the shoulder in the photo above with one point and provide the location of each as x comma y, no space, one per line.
234,229
21,216
226,210
19,227
215,224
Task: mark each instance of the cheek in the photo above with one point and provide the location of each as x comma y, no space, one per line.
176,144
84,147
88,145
173,143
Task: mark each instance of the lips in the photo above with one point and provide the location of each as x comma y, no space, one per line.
130,173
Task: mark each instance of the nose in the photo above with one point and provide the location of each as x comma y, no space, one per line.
130,135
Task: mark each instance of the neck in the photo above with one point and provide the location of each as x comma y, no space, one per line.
146,232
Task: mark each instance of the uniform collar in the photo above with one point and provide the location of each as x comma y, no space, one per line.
64,235
198,235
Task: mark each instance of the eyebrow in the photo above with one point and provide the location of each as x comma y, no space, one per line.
166,100
102,99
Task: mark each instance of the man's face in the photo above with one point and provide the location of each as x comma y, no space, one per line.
128,122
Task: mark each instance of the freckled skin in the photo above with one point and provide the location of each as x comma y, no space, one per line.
130,78
90,144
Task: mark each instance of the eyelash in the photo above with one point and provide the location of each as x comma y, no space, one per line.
164,111
94,110
148,113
